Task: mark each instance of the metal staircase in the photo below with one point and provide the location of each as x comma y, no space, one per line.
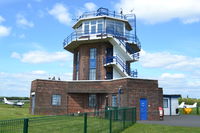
120,64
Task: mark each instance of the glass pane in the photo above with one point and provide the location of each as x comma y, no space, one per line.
93,22
92,100
100,28
92,74
165,103
110,27
93,53
86,29
56,99
114,100
93,29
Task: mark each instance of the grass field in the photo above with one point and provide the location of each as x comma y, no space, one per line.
13,112
153,128
74,124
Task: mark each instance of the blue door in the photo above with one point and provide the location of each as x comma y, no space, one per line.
143,109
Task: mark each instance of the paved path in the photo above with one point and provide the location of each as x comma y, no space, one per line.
181,120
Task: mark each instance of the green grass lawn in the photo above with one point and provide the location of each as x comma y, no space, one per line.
74,124
14,112
153,128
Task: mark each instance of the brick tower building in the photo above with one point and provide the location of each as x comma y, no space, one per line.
104,45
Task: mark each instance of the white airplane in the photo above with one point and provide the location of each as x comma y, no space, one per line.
183,105
20,104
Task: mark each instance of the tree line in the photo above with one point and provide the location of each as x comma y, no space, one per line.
15,98
189,101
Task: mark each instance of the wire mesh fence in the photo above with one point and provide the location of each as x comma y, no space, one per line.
108,121
194,111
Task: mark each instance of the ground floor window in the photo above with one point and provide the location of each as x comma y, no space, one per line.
56,100
92,100
165,103
114,101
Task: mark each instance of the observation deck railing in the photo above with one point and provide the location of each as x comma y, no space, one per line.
103,12
87,35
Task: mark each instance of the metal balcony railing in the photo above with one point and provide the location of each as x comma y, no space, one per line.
130,50
103,12
126,37
122,64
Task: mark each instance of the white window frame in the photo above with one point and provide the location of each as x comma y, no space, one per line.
56,100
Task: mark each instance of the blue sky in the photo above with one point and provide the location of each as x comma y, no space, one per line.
32,33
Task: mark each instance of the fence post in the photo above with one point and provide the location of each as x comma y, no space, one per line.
124,115
110,118
197,110
133,115
25,130
85,122
135,111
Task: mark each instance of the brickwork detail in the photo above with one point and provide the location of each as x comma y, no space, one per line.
74,95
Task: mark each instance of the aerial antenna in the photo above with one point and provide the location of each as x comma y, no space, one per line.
134,22
121,12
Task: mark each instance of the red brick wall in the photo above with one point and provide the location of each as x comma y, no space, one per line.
84,60
75,95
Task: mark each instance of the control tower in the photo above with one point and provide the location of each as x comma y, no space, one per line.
104,44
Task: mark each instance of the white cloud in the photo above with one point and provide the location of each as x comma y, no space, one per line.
172,76
191,20
37,57
16,84
2,19
22,21
16,55
168,61
41,13
38,0
60,12
29,5
22,36
4,31
154,11
90,6
38,72
19,84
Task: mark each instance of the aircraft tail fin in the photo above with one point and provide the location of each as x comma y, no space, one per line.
181,105
194,105
5,100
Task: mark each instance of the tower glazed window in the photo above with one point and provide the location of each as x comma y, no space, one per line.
92,71
86,27
77,65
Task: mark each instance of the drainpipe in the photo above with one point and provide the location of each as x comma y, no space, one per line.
170,107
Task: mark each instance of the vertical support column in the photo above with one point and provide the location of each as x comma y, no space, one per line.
25,130
85,122
124,118
110,118
133,115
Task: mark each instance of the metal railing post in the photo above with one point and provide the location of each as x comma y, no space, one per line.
133,115
85,122
25,130
124,118
110,118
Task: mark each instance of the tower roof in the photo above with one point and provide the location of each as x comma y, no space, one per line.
104,13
